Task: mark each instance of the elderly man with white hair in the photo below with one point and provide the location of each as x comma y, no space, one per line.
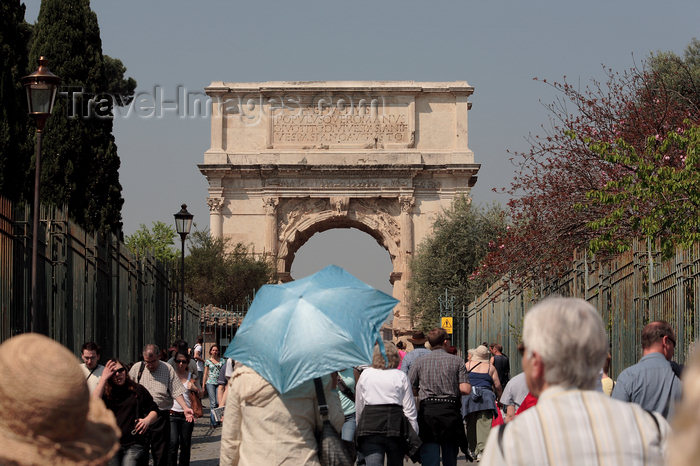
565,347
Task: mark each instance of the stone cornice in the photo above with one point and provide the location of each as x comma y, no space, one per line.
298,169
402,87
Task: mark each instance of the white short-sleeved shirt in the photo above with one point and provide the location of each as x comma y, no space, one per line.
94,378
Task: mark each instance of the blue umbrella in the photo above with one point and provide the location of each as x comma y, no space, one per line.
311,327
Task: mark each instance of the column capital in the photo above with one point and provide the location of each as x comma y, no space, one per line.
407,203
215,204
270,204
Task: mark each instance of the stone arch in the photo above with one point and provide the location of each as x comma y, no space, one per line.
279,173
296,235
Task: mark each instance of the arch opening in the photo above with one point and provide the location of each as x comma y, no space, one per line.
347,247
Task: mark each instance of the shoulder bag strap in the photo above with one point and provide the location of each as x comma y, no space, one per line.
321,398
92,372
474,367
501,431
656,421
345,390
138,379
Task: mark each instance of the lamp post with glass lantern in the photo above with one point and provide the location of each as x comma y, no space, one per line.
183,223
41,88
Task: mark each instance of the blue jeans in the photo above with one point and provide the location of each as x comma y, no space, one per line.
430,454
347,433
133,455
180,436
211,391
374,447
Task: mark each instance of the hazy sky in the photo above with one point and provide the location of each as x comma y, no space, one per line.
496,46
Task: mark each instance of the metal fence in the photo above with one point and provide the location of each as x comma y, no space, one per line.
628,291
219,324
90,288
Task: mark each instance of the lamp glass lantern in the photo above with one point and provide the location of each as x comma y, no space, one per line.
183,221
41,87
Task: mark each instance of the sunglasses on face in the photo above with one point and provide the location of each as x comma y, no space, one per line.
120,370
181,361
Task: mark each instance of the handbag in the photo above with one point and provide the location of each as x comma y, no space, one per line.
331,449
196,403
195,400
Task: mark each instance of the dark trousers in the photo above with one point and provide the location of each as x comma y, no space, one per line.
180,436
375,447
160,438
133,455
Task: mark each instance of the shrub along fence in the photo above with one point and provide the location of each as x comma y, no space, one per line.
90,287
629,291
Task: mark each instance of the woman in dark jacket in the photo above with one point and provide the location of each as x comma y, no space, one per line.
387,422
134,409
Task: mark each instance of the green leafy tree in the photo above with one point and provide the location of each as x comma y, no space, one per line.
449,258
159,241
80,165
15,149
660,196
216,273
680,76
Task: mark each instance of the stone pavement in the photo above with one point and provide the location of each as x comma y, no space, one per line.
207,441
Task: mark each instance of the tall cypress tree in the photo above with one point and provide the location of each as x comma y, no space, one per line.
14,147
80,165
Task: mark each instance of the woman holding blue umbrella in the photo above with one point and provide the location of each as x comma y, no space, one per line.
265,427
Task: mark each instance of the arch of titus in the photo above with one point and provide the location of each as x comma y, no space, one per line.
290,159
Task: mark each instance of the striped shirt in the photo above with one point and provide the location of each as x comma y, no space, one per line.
577,427
163,384
438,374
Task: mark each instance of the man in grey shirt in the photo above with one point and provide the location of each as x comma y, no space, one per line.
513,395
651,382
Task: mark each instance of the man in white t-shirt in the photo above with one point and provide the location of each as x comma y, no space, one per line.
90,354
197,353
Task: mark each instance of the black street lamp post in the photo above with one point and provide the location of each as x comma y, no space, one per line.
41,93
183,223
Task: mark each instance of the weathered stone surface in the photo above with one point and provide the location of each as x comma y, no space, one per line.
290,159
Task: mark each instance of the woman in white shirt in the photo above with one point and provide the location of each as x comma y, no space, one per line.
386,414
180,429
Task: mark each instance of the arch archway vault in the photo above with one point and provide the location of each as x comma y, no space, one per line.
288,160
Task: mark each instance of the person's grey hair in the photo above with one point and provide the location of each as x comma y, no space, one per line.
151,349
569,336
392,354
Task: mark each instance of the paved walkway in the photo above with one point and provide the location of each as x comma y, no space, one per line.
207,441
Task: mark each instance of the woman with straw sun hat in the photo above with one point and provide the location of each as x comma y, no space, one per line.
47,415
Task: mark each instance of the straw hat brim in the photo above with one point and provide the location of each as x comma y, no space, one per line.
98,443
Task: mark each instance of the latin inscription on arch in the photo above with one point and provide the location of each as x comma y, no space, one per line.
358,127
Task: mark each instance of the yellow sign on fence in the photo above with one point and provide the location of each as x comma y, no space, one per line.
446,323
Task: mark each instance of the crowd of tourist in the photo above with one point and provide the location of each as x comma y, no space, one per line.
424,404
